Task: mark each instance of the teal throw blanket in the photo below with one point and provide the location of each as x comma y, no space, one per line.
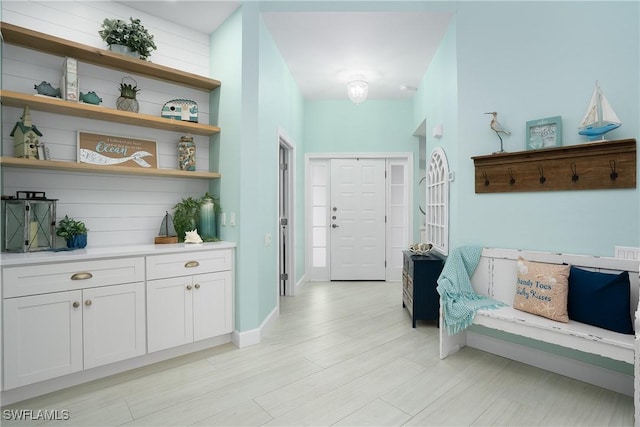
459,301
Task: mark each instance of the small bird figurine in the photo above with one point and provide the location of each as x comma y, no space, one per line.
497,128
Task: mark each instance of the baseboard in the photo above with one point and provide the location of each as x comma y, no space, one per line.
299,283
571,368
254,336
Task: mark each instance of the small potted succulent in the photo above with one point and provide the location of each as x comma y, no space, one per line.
127,100
73,231
128,38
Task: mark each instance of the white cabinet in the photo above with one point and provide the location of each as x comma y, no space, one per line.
68,318
47,335
42,337
113,321
183,307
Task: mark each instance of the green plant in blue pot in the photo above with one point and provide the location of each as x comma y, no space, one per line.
73,231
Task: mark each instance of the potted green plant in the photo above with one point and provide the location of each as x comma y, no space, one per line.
73,231
186,215
140,40
135,38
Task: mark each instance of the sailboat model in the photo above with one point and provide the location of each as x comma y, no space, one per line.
600,117
167,232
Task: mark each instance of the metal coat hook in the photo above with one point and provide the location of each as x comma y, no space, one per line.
486,179
574,172
541,172
613,174
512,180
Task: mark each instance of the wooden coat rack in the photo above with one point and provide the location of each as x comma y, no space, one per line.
592,166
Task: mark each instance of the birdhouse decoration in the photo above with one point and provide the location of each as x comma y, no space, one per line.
25,137
29,222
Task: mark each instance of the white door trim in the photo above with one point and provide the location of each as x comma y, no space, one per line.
322,274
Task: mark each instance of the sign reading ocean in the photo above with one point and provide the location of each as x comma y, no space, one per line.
109,150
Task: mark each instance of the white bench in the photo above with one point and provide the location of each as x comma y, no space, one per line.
495,277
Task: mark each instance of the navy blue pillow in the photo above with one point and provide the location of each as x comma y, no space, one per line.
600,299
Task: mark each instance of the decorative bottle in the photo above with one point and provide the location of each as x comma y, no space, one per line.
207,227
187,154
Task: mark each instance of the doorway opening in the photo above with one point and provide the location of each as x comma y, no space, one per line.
286,190
364,232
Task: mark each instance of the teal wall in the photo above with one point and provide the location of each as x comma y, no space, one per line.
530,60
437,101
339,126
526,60
281,109
249,109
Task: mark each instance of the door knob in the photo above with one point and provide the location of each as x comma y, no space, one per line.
334,226
335,209
87,302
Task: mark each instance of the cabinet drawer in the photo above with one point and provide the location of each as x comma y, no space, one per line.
40,279
182,264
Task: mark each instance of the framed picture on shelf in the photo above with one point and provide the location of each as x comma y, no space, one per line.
544,133
110,150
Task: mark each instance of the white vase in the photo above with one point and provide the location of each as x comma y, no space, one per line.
123,50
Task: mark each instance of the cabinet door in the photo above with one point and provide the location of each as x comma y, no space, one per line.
170,312
212,305
113,323
42,337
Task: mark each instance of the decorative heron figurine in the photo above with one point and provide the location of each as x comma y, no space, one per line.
498,129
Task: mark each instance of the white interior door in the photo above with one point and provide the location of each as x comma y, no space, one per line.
357,218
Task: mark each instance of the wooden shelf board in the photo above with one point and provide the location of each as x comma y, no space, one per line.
592,166
79,109
121,170
25,37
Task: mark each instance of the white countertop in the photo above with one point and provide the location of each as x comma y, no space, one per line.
42,257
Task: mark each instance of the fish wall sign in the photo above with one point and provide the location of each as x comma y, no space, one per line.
109,150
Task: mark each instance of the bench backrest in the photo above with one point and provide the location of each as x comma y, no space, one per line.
495,275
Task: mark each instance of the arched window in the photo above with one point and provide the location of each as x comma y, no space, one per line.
437,215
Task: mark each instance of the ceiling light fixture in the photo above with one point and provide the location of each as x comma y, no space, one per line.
358,89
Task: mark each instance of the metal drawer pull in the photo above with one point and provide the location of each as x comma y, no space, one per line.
87,302
197,285
191,264
82,276
188,287
76,304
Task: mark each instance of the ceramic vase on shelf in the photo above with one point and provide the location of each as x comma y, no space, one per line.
78,241
124,50
207,226
187,154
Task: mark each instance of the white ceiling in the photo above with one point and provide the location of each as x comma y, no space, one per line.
324,49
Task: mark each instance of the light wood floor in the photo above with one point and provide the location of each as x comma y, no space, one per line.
340,354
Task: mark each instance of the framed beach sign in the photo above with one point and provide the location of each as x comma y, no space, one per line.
544,133
110,150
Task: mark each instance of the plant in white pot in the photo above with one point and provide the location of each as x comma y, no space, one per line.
128,38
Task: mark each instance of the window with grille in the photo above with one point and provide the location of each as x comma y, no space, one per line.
437,215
